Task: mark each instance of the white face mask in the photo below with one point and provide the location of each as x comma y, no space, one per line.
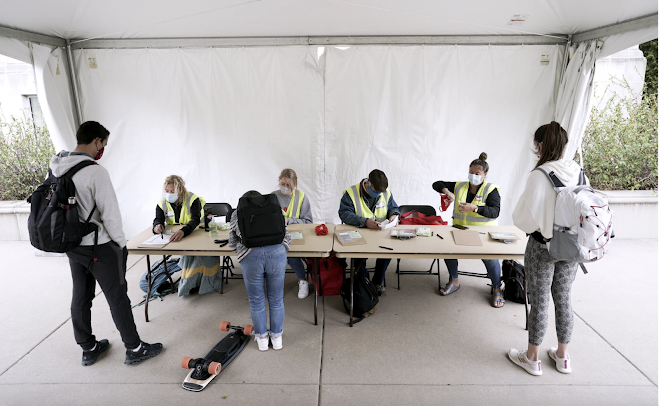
475,179
171,197
285,190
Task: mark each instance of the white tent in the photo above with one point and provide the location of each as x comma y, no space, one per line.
228,93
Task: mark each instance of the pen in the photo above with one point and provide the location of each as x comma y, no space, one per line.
386,248
440,236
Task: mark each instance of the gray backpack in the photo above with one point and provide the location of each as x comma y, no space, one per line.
583,222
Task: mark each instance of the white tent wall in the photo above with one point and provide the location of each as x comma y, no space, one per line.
227,120
52,85
423,113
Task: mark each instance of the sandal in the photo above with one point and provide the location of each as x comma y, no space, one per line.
448,289
498,298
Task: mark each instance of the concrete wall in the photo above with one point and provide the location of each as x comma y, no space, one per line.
16,82
635,216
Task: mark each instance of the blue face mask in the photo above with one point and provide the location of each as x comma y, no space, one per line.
372,192
171,197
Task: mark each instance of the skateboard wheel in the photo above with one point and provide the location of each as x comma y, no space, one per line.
214,368
248,329
225,326
185,362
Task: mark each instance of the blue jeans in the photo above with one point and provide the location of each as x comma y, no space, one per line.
492,265
265,264
381,265
298,267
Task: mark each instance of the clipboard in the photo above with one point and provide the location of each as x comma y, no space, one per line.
297,238
350,238
467,237
157,241
503,237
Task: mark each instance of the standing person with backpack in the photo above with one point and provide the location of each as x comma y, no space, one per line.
103,260
479,204
258,236
546,276
297,210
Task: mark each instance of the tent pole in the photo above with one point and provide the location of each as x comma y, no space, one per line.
73,78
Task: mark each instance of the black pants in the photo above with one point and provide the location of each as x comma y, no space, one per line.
110,272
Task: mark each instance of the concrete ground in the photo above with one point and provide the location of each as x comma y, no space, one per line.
418,348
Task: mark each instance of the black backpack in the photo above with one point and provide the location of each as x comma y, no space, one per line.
261,221
513,287
365,296
54,224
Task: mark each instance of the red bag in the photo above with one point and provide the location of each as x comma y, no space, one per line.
416,218
332,271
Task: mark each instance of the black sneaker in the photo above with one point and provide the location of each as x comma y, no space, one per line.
145,352
89,357
381,290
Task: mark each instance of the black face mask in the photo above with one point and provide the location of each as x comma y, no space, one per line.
99,153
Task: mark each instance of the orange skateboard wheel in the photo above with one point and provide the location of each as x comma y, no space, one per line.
214,368
225,326
185,362
248,329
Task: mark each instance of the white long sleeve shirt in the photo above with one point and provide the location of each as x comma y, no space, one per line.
535,208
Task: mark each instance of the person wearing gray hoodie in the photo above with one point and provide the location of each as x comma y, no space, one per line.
103,260
547,277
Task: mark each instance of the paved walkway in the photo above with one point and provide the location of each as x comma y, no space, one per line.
418,349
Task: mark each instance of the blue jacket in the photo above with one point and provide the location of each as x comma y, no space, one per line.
347,209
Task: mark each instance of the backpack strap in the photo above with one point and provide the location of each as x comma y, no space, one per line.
76,168
556,183
582,178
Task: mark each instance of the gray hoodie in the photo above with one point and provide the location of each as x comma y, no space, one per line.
535,209
93,185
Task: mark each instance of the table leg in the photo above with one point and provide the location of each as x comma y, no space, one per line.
148,290
352,286
316,273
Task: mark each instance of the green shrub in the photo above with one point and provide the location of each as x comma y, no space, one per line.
620,143
25,152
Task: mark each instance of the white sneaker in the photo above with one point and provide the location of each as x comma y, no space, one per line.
276,343
262,342
520,358
304,289
562,364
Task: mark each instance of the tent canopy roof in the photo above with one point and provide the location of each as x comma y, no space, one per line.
136,19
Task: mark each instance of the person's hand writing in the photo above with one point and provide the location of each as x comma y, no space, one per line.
392,218
158,229
372,224
177,236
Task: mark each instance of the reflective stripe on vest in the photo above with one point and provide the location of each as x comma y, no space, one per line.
471,218
295,205
185,215
362,210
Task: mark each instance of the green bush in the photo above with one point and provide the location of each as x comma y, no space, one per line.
25,152
620,143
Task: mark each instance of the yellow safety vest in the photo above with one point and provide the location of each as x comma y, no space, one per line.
472,218
362,210
295,206
185,216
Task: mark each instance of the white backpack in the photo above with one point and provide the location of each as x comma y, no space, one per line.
583,222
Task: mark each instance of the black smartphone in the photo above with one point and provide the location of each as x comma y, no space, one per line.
461,227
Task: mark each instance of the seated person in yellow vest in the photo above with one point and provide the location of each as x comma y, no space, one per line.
297,210
199,274
477,203
367,204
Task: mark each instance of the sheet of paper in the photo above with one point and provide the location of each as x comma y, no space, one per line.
346,237
385,225
296,235
354,234
157,240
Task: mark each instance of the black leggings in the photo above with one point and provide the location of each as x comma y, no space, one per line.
110,272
